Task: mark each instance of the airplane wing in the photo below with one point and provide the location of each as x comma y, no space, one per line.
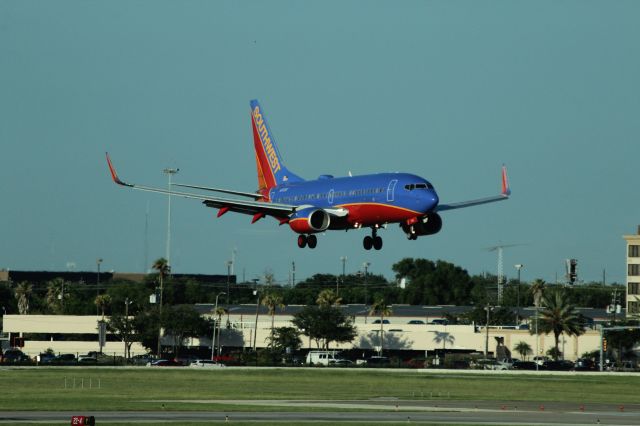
504,195
256,208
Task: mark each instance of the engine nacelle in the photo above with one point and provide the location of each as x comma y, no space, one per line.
310,220
429,224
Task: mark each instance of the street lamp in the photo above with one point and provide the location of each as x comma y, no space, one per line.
487,308
98,262
255,331
518,266
229,266
169,172
213,340
365,265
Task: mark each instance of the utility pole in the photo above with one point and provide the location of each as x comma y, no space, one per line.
366,294
488,308
98,262
215,323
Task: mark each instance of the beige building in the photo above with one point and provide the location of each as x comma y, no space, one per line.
241,333
633,274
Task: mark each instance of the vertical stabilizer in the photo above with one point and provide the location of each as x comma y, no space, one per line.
271,169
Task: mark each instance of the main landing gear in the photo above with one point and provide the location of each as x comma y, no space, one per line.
372,241
307,240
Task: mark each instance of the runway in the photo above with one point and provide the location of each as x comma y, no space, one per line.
373,411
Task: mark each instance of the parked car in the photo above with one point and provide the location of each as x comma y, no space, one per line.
540,360
341,363
142,359
164,363
562,365
206,363
525,365
508,362
378,361
14,356
585,364
439,321
488,364
416,322
44,358
383,322
89,358
64,359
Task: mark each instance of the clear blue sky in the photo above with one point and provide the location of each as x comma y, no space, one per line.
448,90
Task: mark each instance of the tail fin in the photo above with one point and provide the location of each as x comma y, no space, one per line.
271,169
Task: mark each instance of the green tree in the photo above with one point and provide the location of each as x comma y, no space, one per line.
324,325
23,293
381,308
285,340
102,301
523,349
434,283
123,327
181,322
327,297
56,295
147,324
162,266
272,301
559,316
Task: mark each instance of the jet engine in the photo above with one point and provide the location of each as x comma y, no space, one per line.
429,224
309,220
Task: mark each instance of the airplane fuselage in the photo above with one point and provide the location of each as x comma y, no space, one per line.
371,200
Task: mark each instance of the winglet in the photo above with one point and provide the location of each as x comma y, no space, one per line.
114,175
506,191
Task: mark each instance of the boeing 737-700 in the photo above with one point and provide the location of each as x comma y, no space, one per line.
328,203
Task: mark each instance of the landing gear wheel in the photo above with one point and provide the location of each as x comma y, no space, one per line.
413,237
312,241
302,241
377,242
367,242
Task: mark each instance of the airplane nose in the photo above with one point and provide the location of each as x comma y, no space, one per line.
431,200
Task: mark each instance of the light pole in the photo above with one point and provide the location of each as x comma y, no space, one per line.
229,266
487,308
518,266
537,338
366,265
255,331
98,262
215,322
169,172
127,302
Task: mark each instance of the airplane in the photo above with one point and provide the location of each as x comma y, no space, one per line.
310,207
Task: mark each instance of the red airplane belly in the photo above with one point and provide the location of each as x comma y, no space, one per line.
373,213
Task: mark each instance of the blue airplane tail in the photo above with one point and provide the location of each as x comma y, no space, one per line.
271,169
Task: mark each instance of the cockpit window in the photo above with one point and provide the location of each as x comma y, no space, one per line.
412,186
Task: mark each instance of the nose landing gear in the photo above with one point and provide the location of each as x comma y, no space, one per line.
373,241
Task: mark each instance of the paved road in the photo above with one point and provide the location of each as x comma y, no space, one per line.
471,412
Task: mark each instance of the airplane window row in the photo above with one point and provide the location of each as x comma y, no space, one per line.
412,186
336,194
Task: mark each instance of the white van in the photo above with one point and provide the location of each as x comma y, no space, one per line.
324,357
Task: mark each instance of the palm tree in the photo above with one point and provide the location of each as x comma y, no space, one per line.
537,289
523,349
380,307
328,297
220,311
162,266
102,302
22,293
560,317
56,295
272,301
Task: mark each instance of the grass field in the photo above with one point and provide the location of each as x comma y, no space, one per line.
144,388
